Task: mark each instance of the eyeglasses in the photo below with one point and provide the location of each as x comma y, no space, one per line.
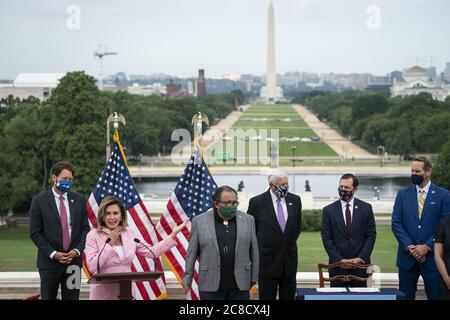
230,203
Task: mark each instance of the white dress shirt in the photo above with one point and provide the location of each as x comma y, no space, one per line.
283,204
426,189
66,204
344,206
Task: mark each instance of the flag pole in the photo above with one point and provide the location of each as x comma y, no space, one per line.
116,118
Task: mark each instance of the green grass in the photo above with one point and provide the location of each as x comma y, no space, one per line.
275,114
18,253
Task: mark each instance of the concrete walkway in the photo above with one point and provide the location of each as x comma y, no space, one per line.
342,146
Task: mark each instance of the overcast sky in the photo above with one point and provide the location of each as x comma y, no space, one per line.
223,36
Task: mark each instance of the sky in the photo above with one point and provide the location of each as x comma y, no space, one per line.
224,37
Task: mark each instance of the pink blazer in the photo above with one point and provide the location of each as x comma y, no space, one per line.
111,262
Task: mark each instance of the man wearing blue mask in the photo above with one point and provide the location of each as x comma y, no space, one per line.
348,232
417,212
58,228
277,214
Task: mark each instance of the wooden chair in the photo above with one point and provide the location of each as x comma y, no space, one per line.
344,278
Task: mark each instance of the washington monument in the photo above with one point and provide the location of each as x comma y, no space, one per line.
271,93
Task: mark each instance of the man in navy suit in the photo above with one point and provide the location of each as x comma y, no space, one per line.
348,231
278,223
417,212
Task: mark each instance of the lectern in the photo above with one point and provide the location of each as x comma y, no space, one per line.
124,279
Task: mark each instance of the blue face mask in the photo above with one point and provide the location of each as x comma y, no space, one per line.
64,185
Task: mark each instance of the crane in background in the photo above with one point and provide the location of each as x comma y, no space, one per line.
99,54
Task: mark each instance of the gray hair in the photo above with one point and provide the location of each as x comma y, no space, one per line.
275,174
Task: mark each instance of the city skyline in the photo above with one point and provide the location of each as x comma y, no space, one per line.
178,38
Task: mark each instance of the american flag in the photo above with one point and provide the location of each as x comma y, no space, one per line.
115,180
191,197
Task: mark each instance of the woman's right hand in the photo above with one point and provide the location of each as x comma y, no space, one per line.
115,236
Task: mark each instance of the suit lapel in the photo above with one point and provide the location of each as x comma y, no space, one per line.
72,206
271,211
340,215
356,214
290,210
430,198
414,202
211,225
53,207
239,230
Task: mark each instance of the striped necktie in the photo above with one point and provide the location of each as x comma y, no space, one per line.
421,202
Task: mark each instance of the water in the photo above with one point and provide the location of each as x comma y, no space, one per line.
321,185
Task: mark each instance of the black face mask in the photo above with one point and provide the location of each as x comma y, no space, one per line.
417,179
281,191
345,195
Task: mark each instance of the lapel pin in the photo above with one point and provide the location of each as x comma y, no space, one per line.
432,192
356,207
71,200
290,203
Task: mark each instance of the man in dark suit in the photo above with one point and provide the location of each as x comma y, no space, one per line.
58,227
277,216
417,212
348,232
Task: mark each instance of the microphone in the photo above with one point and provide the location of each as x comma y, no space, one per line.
154,257
98,257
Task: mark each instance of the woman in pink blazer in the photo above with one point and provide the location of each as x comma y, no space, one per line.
119,252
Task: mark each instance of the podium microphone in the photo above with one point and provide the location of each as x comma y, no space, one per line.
98,257
154,257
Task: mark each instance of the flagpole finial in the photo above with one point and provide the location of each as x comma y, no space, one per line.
198,128
115,118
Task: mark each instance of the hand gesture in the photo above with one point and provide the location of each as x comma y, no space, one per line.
179,228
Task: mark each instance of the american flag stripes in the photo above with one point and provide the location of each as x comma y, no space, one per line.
191,197
115,180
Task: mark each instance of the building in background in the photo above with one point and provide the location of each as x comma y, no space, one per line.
174,91
417,80
38,85
201,85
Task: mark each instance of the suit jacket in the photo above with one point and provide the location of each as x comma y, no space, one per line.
46,230
341,244
111,262
409,230
277,250
203,244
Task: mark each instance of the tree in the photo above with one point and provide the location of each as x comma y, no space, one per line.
441,171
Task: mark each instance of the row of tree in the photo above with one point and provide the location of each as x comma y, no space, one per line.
70,125
415,124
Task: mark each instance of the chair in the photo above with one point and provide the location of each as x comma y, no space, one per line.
343,278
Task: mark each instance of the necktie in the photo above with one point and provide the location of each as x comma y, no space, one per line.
348,218
421,202
64,224
280,215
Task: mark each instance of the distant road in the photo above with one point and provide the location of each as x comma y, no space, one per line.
342,146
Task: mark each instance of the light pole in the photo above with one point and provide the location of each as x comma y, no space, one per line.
381,151
116,118
293,148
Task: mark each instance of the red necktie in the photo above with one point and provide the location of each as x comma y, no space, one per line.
348,218
64,224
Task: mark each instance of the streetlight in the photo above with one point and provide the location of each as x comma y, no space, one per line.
293,148
381,151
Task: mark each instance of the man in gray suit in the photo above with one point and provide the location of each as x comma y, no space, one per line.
224,239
